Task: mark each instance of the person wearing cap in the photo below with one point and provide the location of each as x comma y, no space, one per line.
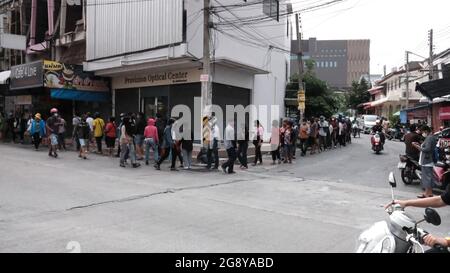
37,130
151,140
379,129
52,128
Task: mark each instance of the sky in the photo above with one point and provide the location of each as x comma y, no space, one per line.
393,26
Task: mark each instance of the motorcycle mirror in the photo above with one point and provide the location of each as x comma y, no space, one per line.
392,180
432,217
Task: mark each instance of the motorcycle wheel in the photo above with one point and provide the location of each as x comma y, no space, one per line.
405,177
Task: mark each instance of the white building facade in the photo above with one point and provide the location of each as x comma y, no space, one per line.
153,50
391,96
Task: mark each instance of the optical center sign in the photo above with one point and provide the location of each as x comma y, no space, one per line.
157,79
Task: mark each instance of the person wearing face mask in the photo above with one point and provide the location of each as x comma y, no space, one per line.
53,124
414,136
427,160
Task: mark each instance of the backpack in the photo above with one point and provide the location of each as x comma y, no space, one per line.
131,129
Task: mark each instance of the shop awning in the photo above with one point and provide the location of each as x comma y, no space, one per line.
379,102
4,76
78,95
434,89
419,107
376,90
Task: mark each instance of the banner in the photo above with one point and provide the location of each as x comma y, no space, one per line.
72,77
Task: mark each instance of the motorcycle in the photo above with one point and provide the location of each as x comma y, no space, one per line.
410,170
400,233
377,145
396,134
441,171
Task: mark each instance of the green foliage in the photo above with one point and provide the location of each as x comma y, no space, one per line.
358,94
394,120
310,64
319,99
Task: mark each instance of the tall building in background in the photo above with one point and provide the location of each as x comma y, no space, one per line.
338,62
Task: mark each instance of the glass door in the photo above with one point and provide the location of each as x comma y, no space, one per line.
156,105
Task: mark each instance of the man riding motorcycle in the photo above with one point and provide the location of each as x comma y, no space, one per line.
433,202
379,129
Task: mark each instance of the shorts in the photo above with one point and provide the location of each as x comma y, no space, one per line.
139,140
110,142
54,139
83,142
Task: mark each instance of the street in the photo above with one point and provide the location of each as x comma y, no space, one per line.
321,203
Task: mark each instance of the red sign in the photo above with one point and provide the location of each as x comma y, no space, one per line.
444,113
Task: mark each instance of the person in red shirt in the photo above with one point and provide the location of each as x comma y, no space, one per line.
151,139
110,133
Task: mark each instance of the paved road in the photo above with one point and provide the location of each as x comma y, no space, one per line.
319,204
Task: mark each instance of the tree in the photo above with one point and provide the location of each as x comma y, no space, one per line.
358,94
319,99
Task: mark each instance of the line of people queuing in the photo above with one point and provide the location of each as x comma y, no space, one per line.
137,136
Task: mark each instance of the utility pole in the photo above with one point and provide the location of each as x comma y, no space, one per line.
301,91
206,77
407,79
206,99
430,39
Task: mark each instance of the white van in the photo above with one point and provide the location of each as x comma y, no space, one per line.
368,121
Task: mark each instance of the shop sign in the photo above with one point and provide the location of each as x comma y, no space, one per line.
23,100
25,76
65,76
157,79
418,114
444,113
204,78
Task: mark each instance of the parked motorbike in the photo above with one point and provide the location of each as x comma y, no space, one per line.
400,233
377,145
410,170
441,171
396,134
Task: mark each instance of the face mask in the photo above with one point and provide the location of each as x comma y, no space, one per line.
424,134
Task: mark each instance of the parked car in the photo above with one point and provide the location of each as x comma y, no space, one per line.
368,121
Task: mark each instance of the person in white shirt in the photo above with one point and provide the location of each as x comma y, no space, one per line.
90,121
230,146
213,149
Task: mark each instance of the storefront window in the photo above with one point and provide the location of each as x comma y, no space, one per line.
154,105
